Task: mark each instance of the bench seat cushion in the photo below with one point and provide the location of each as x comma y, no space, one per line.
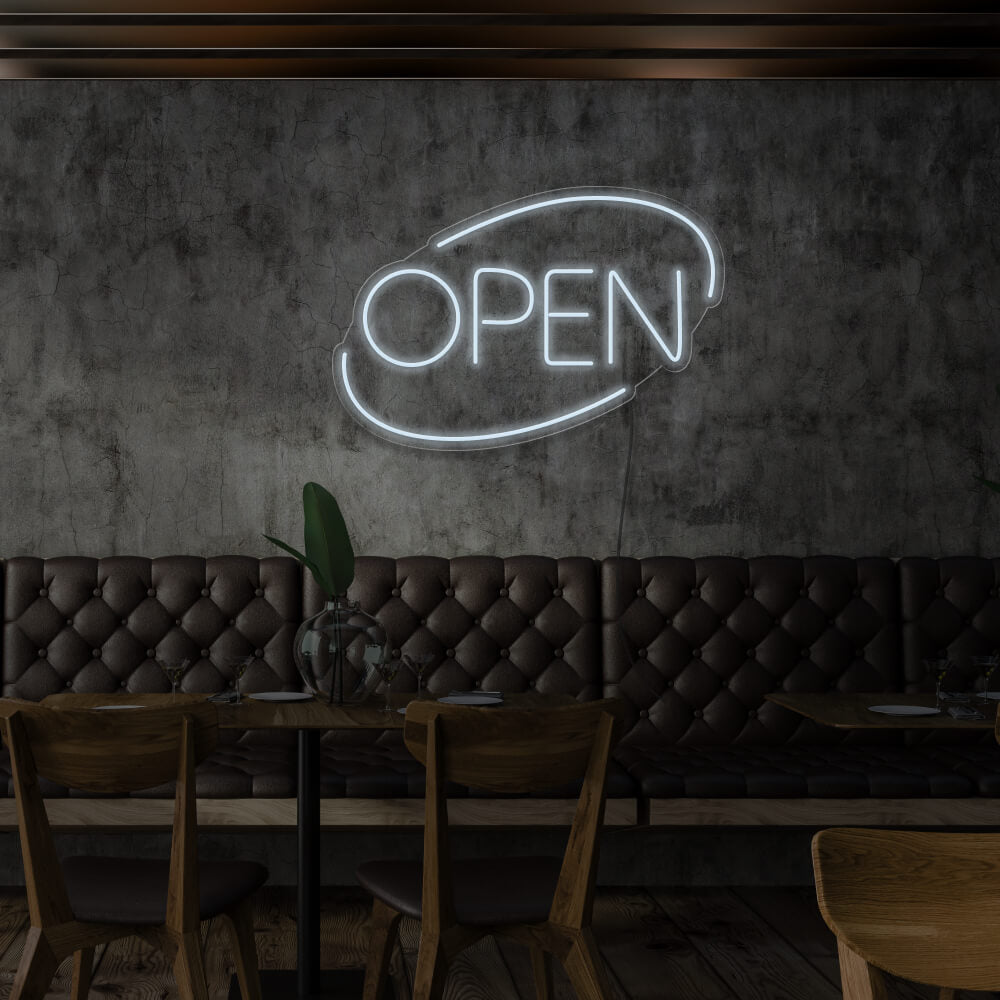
389,771
979,763
844,771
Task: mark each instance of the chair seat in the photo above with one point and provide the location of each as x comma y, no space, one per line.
487,891
134,891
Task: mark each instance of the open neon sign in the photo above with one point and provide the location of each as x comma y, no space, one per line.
463,345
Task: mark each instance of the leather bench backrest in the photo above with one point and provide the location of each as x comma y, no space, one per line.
694,645
950,609
516,624
98,625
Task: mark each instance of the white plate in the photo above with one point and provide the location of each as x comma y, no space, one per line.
281,696
471,699
113,708
904,710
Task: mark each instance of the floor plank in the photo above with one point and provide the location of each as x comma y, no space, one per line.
754,961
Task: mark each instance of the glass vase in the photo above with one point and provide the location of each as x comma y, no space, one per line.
338,652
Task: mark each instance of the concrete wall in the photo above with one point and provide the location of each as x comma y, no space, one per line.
178,261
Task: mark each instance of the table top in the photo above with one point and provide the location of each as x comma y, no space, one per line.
851,711
251,714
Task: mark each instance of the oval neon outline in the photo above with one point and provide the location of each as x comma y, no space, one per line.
570,199
454,333
497,436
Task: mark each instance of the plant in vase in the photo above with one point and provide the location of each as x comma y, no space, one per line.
338,651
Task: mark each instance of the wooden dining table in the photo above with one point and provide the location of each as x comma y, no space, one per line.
310,719
852,710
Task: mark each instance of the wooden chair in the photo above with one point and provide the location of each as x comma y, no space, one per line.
545,903
923,906
79,903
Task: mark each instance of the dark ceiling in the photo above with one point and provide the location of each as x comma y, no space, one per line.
572,39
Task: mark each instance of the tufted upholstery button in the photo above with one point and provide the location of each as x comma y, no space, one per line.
204,654
205,591
993,592
450,653
643,713
696,653
857,591
124,621
504,653
69,684
69,622
695,592
423,621
558,654
259,592
97,591
748,592
697,713
939,592
859,652
504,591
475,621
531,622
123,684
259,653
43,592
151,654
641,592
806,654
232,623
177,622
777,622
450,592
42,653
831,622
668,621
531,684
96,653
751,653
395,654
395,591
670,684
557,592
968,621
642,654
752,714
151,592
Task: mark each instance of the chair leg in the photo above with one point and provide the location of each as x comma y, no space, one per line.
384,921
585,967
189,967
541,967
240,923
37,967
83,969
859,980
432,968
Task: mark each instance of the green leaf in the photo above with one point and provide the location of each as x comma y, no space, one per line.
328,543
323,583
990,483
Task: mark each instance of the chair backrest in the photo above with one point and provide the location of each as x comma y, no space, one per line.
922,906
107,751
115,751
509,750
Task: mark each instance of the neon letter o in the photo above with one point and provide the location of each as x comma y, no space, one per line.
454,302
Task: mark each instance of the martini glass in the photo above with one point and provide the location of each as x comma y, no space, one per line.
175,671
419,663
239,666
387,670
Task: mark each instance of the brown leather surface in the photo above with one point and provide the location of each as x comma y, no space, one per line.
694,645
134,891
97,625
486,890
798,771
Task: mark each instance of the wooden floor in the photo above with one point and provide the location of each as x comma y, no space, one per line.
659,944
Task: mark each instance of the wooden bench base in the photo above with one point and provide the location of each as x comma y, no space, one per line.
66,815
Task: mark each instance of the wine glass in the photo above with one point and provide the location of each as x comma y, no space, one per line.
418,663
985,665
175,670
938,670
387,670
239,666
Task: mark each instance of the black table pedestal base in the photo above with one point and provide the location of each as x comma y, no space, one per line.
334,984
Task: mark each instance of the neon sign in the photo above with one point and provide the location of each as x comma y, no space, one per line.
528,319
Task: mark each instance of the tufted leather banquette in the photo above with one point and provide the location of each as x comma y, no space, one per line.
692,646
